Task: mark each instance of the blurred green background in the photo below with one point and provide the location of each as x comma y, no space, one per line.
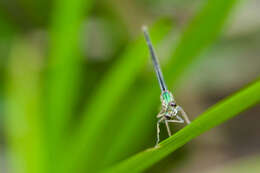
78,92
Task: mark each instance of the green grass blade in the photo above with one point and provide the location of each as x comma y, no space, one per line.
23,114
110,91
64,65
214,116
199,35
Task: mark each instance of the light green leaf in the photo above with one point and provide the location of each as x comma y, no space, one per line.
64,66
23,111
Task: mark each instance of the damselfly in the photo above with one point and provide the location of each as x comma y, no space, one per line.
170,110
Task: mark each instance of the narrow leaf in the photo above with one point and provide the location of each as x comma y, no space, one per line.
22,113
63,67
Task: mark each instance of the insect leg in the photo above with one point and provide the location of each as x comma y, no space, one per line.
183,113
158,130
161,113
168,128
179,120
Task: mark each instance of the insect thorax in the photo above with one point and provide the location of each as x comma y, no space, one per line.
166,98
168,104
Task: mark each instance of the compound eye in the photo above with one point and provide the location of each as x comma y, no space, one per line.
173,104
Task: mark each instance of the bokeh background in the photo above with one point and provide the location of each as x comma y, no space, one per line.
32,36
